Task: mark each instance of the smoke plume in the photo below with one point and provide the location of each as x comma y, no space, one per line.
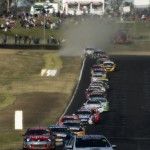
85,32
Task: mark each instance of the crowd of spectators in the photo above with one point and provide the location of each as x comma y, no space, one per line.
27,21
8,23
138,15
143,15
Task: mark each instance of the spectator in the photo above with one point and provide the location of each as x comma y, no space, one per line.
25,39
16,38
2,27
33,40
48,41
5,38
58,14
51,39
143,17
20,38
30,39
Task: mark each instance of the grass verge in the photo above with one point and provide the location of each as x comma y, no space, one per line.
42,99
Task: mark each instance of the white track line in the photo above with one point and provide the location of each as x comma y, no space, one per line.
81,71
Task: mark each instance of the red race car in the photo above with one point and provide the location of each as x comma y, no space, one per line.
38,138
120,37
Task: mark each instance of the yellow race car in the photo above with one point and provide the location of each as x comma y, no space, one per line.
78,130
75,126
109,66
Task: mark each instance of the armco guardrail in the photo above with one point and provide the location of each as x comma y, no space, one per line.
31,46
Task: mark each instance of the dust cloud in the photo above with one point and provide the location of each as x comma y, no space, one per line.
86,32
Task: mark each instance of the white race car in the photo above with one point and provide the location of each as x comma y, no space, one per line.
89,51
93,104
97,76
102,100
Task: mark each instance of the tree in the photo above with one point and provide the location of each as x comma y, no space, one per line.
6,4
3,5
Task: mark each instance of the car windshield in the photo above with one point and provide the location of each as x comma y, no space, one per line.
72,124
38,7
98,70
93,102
91,49
97,99
76,129
37,132
83,112
47,7
101,81
98,142
96,95
59,129
103,100
94,88
98,75
108,64
64,119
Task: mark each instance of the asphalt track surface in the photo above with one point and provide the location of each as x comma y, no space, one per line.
127,125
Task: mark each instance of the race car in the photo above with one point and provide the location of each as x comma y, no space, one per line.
97,69
88,116
93,104
38,138
102,100
75,126
96,66
97,93
109,66
92,88
89,51
89,142
100,84
95,77
62,134
99,73
78,130
67,117
104,81
120,37
101,59
98,53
